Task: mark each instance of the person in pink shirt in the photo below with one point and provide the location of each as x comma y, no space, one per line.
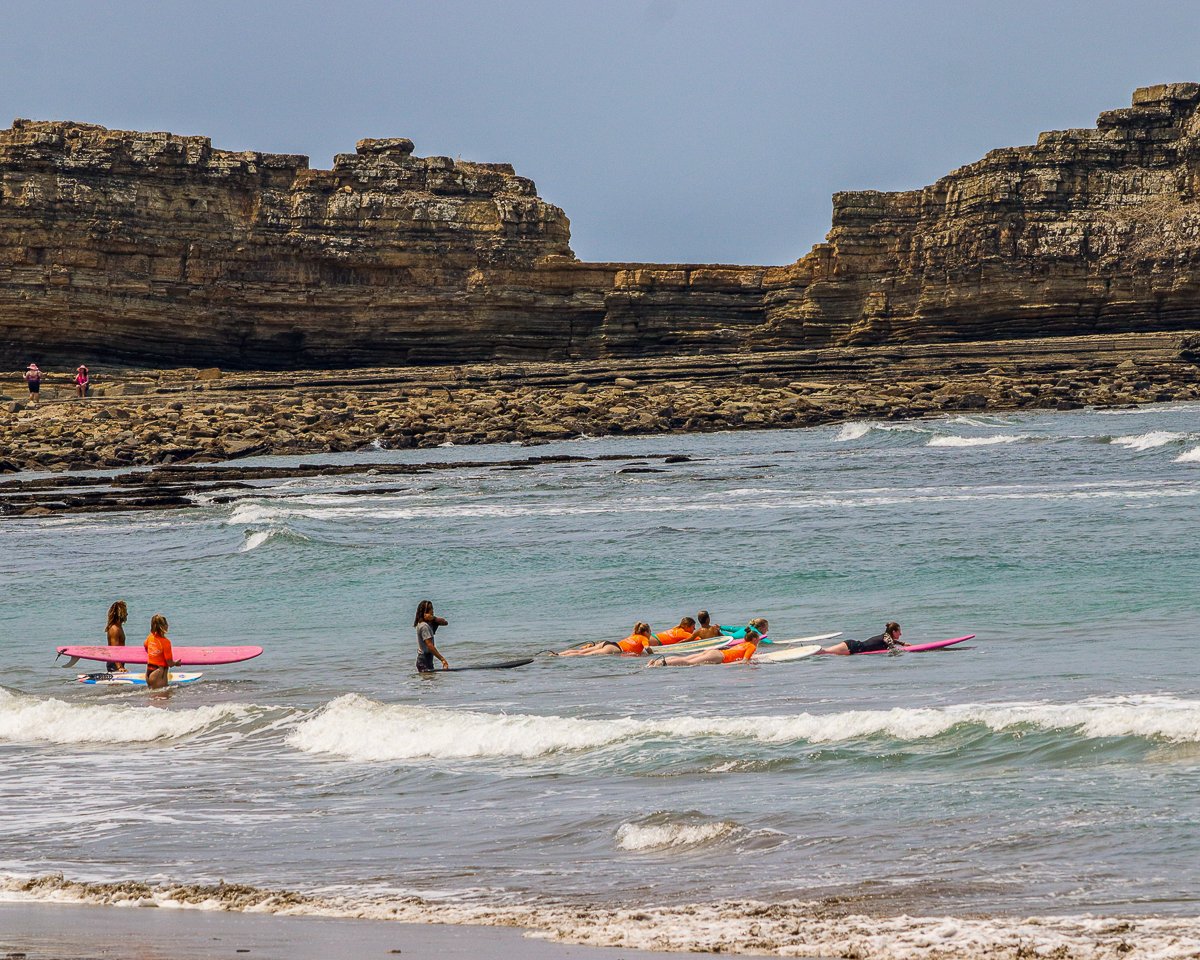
81,382
33,379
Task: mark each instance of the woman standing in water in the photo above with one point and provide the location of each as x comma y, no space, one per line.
427,624
159,655
115,632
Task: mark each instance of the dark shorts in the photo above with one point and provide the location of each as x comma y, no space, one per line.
865,646
34,386
424,663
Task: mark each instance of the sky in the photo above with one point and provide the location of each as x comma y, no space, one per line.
669,131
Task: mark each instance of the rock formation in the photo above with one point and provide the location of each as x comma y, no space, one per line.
154,249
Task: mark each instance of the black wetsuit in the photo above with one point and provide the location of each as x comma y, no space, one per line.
425,632
881,642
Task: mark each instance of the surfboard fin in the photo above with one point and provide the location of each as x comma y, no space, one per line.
69,663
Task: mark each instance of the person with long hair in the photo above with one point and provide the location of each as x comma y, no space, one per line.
634,645
736,651
114,633
427,623
888,640
160,658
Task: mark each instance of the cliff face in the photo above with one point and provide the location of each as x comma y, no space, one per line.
157,249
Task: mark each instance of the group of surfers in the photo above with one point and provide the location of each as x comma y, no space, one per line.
741,645
159,655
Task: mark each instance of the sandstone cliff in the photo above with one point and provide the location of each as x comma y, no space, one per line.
149,248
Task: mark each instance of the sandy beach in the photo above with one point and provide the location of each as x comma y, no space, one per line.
74,932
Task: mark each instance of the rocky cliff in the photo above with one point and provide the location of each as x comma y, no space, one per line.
151,249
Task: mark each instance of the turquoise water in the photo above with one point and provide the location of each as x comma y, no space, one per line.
1052,766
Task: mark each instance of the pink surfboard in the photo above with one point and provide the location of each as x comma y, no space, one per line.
137,654
920,647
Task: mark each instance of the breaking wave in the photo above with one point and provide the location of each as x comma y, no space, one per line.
945,441
645,837
1151,440
339,728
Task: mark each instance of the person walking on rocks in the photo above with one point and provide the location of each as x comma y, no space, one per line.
81,382
33,379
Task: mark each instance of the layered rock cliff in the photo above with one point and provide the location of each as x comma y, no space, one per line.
150,248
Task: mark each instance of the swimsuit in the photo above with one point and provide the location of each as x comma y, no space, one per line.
742,651
158,652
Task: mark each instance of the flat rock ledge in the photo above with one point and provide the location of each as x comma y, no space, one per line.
185,417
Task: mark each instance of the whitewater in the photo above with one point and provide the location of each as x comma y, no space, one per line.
1036,792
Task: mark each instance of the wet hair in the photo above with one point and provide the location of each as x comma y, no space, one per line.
424,608
118,613
702,616
642,628
892,627
760,625
159,625
687,622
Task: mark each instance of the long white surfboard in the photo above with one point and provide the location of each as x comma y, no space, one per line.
132,678
787,654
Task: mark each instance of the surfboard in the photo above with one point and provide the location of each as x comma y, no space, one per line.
133,679
922,647
786,654
501,665
192,656
694,646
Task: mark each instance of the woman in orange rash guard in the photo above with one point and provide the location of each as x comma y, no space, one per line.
736,652
159,655
685,630
636,644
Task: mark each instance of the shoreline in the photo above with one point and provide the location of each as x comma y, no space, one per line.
176,420
202,921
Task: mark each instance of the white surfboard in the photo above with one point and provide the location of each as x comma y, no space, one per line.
132,678
787,654
694,646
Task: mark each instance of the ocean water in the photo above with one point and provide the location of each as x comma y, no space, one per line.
1049,769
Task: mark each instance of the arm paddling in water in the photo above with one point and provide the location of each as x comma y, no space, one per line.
635,644
427,623
734,652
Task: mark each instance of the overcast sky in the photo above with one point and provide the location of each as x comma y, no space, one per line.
668,130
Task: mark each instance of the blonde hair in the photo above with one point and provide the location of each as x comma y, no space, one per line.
159,625
642,628
759,624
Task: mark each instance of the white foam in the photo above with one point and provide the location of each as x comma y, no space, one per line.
1189,456
943,441
641,837
803,928
28,719
854,430
1149,441
340,728
255,539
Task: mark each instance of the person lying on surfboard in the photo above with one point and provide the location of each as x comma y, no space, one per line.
115,632
888,640
635,645
159,655
735,651
427,624
685,631
706,629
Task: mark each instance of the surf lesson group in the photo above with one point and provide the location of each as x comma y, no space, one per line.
694,641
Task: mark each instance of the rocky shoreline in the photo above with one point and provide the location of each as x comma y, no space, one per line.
186,417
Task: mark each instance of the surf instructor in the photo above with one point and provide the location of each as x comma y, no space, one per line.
427,624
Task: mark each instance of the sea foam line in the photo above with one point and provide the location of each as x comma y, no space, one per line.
789,928
446,734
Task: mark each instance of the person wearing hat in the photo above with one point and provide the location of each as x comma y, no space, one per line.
81,382
33,379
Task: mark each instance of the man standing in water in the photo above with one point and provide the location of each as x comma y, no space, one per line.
427,624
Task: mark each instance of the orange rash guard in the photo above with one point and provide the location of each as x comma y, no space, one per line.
635,643
674,635
743,651
158,651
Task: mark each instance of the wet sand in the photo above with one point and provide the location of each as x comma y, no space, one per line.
41,931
